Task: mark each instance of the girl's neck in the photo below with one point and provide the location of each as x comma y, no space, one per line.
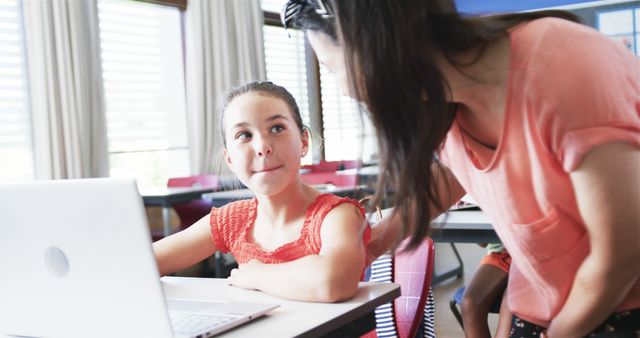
286,206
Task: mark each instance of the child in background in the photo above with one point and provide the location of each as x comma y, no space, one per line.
290,240
487,286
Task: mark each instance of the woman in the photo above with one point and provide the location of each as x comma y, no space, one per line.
535,116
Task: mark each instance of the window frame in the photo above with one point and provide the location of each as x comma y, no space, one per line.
635,32
313,87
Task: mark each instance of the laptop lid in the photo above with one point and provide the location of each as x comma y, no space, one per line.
77,261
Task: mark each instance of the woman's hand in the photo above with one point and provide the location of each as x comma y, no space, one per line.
244,276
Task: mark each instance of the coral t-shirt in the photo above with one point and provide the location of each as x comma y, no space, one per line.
231,226
570,89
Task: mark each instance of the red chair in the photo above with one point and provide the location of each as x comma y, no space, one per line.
351,164
190,212
332,166
337,180
413,271
323,166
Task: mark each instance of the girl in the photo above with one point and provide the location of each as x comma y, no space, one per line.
535,116
290,240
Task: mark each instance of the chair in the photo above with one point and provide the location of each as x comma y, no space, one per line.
413,310
332,166
456,302
338,180
192,211
322,166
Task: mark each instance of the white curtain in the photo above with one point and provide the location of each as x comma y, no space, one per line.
67,102
224,48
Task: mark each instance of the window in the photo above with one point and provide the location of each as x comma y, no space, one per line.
348,133
15,116
286,66
622,25
142,60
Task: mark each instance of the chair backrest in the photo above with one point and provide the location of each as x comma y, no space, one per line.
351,164
190,212
339,180
331,166
207,181
413,271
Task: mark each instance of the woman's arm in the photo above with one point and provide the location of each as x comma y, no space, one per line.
386,233
185,248
607,187
330,276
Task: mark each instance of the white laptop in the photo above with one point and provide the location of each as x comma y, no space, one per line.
76,261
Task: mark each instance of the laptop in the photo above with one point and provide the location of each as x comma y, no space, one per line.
76,261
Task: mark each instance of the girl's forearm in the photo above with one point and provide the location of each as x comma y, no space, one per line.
598,289
312,278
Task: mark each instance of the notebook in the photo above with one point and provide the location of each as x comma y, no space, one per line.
76,261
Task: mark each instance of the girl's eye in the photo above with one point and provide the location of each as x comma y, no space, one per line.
277,128
243,135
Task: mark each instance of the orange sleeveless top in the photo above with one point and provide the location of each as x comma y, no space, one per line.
231,226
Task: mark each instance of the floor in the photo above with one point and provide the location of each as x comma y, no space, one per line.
446,324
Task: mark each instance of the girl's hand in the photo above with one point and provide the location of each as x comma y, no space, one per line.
543,334
246,275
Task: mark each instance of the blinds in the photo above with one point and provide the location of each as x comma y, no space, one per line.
143,76
16,156
286,66
348,134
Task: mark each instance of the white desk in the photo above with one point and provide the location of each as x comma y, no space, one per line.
292,318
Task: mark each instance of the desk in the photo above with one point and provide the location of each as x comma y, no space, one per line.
462,226
220,198
166,197
292,318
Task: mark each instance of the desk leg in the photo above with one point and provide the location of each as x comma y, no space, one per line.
166,220
457,271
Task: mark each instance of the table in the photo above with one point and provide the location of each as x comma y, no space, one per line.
464,226
166,197
351,318
220,198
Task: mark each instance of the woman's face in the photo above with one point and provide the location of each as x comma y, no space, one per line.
330,55
263,143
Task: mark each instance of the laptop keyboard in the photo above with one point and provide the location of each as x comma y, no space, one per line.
186,323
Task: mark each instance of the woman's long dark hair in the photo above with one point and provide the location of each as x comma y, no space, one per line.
389,46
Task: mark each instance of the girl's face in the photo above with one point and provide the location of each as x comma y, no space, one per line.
330,55
264,144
